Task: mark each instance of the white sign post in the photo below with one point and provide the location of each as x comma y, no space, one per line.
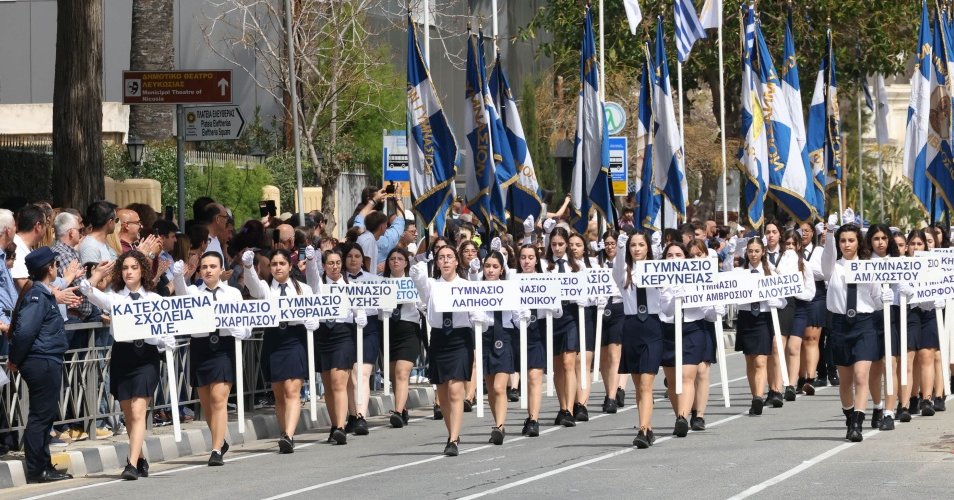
532,284
600,283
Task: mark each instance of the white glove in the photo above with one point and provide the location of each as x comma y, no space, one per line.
242,333
820,228
719,310
312,324
386,313
417,270
712,313
601,302
166,343
848,216
939,303
178,268
479,319
361,318
907,291
422,307
677,290
528,224
558,312
832,224
85,288
310,252
887,296
475,265
657,238
764,241
621,240
548,225
494,246
248,258
523,315
730,246
777,303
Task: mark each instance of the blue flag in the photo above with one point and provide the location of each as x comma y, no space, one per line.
688,28
432,150
918,126
648,199
753,153
669,172
824,123
940,159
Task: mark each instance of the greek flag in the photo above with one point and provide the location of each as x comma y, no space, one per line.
754,151
919,120
789,176
633,14
591,182
824,124
688,28
505,172
669,173
523,196
432,150
648,199
939,158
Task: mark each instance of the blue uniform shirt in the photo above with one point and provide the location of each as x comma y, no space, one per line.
39,330
8,292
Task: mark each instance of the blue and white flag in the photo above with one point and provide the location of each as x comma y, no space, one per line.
505,172
432,150
688,28
789,176
591,181
648,199
869,101
824,124
669,172
754,151
917,131
523,196
940,161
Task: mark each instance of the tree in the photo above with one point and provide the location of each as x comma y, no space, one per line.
78,105
151,48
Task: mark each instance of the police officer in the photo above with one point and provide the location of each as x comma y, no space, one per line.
38,344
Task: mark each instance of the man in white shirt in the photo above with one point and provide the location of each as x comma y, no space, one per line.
31,226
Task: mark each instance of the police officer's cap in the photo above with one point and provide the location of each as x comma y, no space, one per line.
39,258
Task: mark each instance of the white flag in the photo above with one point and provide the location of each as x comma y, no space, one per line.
711,14
881,110
633,14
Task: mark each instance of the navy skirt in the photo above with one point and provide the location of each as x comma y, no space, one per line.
613,321
925,324
285,353
451,355
753,335
696,344
895,330
405,342
212,360
566,333
642,345
590,319
807,314
854,341
372,340
536,343
133,370
335,346
498,350
786,317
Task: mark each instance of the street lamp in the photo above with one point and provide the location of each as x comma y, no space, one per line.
259,156
136,149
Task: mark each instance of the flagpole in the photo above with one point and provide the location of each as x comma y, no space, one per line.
496,27
293,91
427,35
861,169
725,178
602,54
682,128
881,183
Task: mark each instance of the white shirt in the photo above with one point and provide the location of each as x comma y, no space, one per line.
869,294
814,261
630,303
215,246
105,301
436,319
261,290
370,247
19,269
667,308
789,264
225,293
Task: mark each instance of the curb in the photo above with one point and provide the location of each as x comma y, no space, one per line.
157,449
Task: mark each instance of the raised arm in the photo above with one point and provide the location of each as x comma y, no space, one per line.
619,262
829,256
256,287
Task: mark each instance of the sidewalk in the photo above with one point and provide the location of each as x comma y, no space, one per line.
109,455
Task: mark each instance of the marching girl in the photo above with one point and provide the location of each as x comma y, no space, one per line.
405,342
566,339
793,261
882,245
578,250
133,366
284,348
696,343
212,355
810,315
611,344
853,337
754,330
922,343
941,240
536,347
773,252
470,256
697,421
371,331
642,339
451,356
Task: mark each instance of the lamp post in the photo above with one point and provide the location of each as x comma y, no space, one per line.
136,149
259,156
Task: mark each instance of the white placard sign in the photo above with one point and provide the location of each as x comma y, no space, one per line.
326,306
743,287
893,270
143,319
246,314
942,289
539,291
406,292
945,260
467,296
660,273
778,286
368,294
600,283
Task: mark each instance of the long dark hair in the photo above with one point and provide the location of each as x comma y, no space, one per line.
145,267
460,268
796,238
629,257
562,233
345,250
864,251
919,234
387,261
287,255
874,229
601,255
324,260
532,247
586,251
500,258
763,262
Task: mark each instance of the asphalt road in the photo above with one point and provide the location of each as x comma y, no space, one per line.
798,451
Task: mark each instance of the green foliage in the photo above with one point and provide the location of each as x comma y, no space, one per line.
281,166
543,162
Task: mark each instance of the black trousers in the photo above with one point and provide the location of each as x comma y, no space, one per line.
44,378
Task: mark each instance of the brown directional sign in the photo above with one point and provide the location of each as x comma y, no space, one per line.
177,87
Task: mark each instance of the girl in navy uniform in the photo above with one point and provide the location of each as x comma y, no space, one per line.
611,342
853,336
810,315
697,421
580,252
212,355
451,356
882,245
284,349
354,258
469,259
133,366
642,337
405,343
922,343
528,262
792,262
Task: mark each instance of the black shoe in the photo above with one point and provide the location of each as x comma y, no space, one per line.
808,387
790,393
939,404
651,437
397,421
756,408
216,459
438,414
915,402
580,413
468,406
565,419
681,429
129,473
360,426
887,423
349,424
225,447
620,397
775,399
799,384
877,415
338,436
51,475
697,423
609,405
286,444
451,449
849,413
497,435
641,441
142,467
927,408
834,380
513,395
331,436
820,382
904,416
857,425
531,428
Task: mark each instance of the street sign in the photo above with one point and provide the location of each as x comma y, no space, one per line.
619,164
615,117
177,87
394,160
213,123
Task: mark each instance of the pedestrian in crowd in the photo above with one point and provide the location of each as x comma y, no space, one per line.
31,229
